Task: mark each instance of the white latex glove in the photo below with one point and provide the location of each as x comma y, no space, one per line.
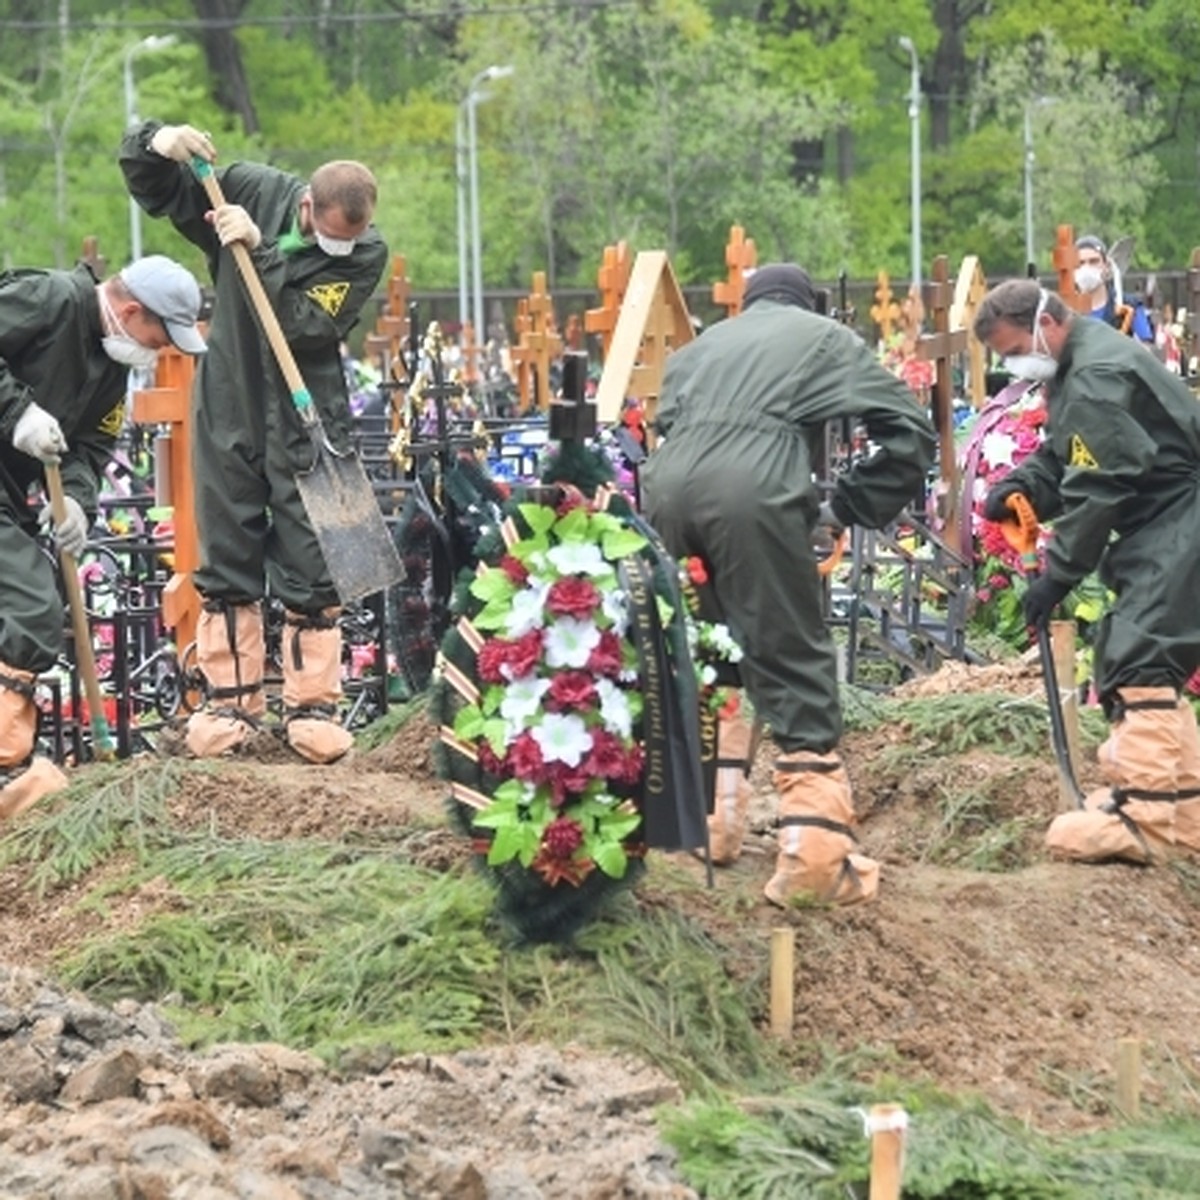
233,224
71,535
182,142
39,434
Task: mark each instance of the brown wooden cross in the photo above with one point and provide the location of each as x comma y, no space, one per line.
521,356
939,347
543,338
386,344
885,312
613,280
741,255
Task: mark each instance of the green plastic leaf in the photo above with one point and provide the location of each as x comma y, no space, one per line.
506,845
496,732
621,543
492,615
468,723
493,587
538,517
573,527
611,859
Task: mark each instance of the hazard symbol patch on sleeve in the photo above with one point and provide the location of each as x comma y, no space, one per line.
1081,456
330,296
113,421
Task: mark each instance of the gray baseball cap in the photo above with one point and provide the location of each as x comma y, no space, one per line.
172,294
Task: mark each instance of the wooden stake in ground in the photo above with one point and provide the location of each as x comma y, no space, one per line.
1129,1082
783,987
886,1126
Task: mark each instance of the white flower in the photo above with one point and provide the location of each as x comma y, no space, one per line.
563,737
569,642
578,558
615,607
523,699
997,449
528,611
614,708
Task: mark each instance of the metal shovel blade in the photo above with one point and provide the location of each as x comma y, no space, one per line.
346,517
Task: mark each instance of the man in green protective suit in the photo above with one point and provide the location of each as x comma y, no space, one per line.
67,342
1119,474
320,260
742,417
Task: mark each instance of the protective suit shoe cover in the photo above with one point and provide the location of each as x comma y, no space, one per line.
211,733
233,667
318,739
727,821
1187,807
18,717
41,778
816,846
312,686
1140,756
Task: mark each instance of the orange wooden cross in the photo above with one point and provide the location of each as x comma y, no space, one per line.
885,312
543,340
741,255
386,343
521,356
613,280
939,347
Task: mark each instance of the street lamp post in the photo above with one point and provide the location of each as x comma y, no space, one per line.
473,99
914,116
460,175
153,42
1030,105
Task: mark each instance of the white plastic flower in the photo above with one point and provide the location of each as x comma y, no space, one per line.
997,449
528,611
563,737
614,708
578,558
614,606
523,699
569,642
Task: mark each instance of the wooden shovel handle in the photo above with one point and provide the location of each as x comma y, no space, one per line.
85,655
301,397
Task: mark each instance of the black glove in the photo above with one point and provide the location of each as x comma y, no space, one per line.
994,506
1041,598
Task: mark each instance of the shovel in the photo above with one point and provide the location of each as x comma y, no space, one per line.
1021,533
85,656
335,490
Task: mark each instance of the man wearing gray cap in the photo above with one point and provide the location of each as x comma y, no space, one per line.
66,345
742,414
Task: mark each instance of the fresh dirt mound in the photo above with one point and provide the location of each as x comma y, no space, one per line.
1014,981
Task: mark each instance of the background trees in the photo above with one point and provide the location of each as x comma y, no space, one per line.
658,121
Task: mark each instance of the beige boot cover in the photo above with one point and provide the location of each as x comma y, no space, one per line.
18,716
727,821
231,653
312,686
1134,820
20,789
41,778
816,845
1187,808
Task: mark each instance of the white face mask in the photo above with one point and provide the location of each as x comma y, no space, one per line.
1038,365
337,247
1088,278
124,349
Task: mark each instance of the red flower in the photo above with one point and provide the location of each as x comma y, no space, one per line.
515,569
572,498
606,759
573,597
523,654
572,689
562,837
489,760
605,659
524,759
696,570
631,770
493,655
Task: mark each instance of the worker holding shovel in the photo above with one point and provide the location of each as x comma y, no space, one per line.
315,259
67,342
1119,474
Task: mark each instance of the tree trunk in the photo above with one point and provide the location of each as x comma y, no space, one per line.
944,82
224,58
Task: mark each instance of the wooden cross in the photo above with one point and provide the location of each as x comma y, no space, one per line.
543,339
391,333
968,292
741,255
939,347
1066,259
885,311
521,356
613,280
